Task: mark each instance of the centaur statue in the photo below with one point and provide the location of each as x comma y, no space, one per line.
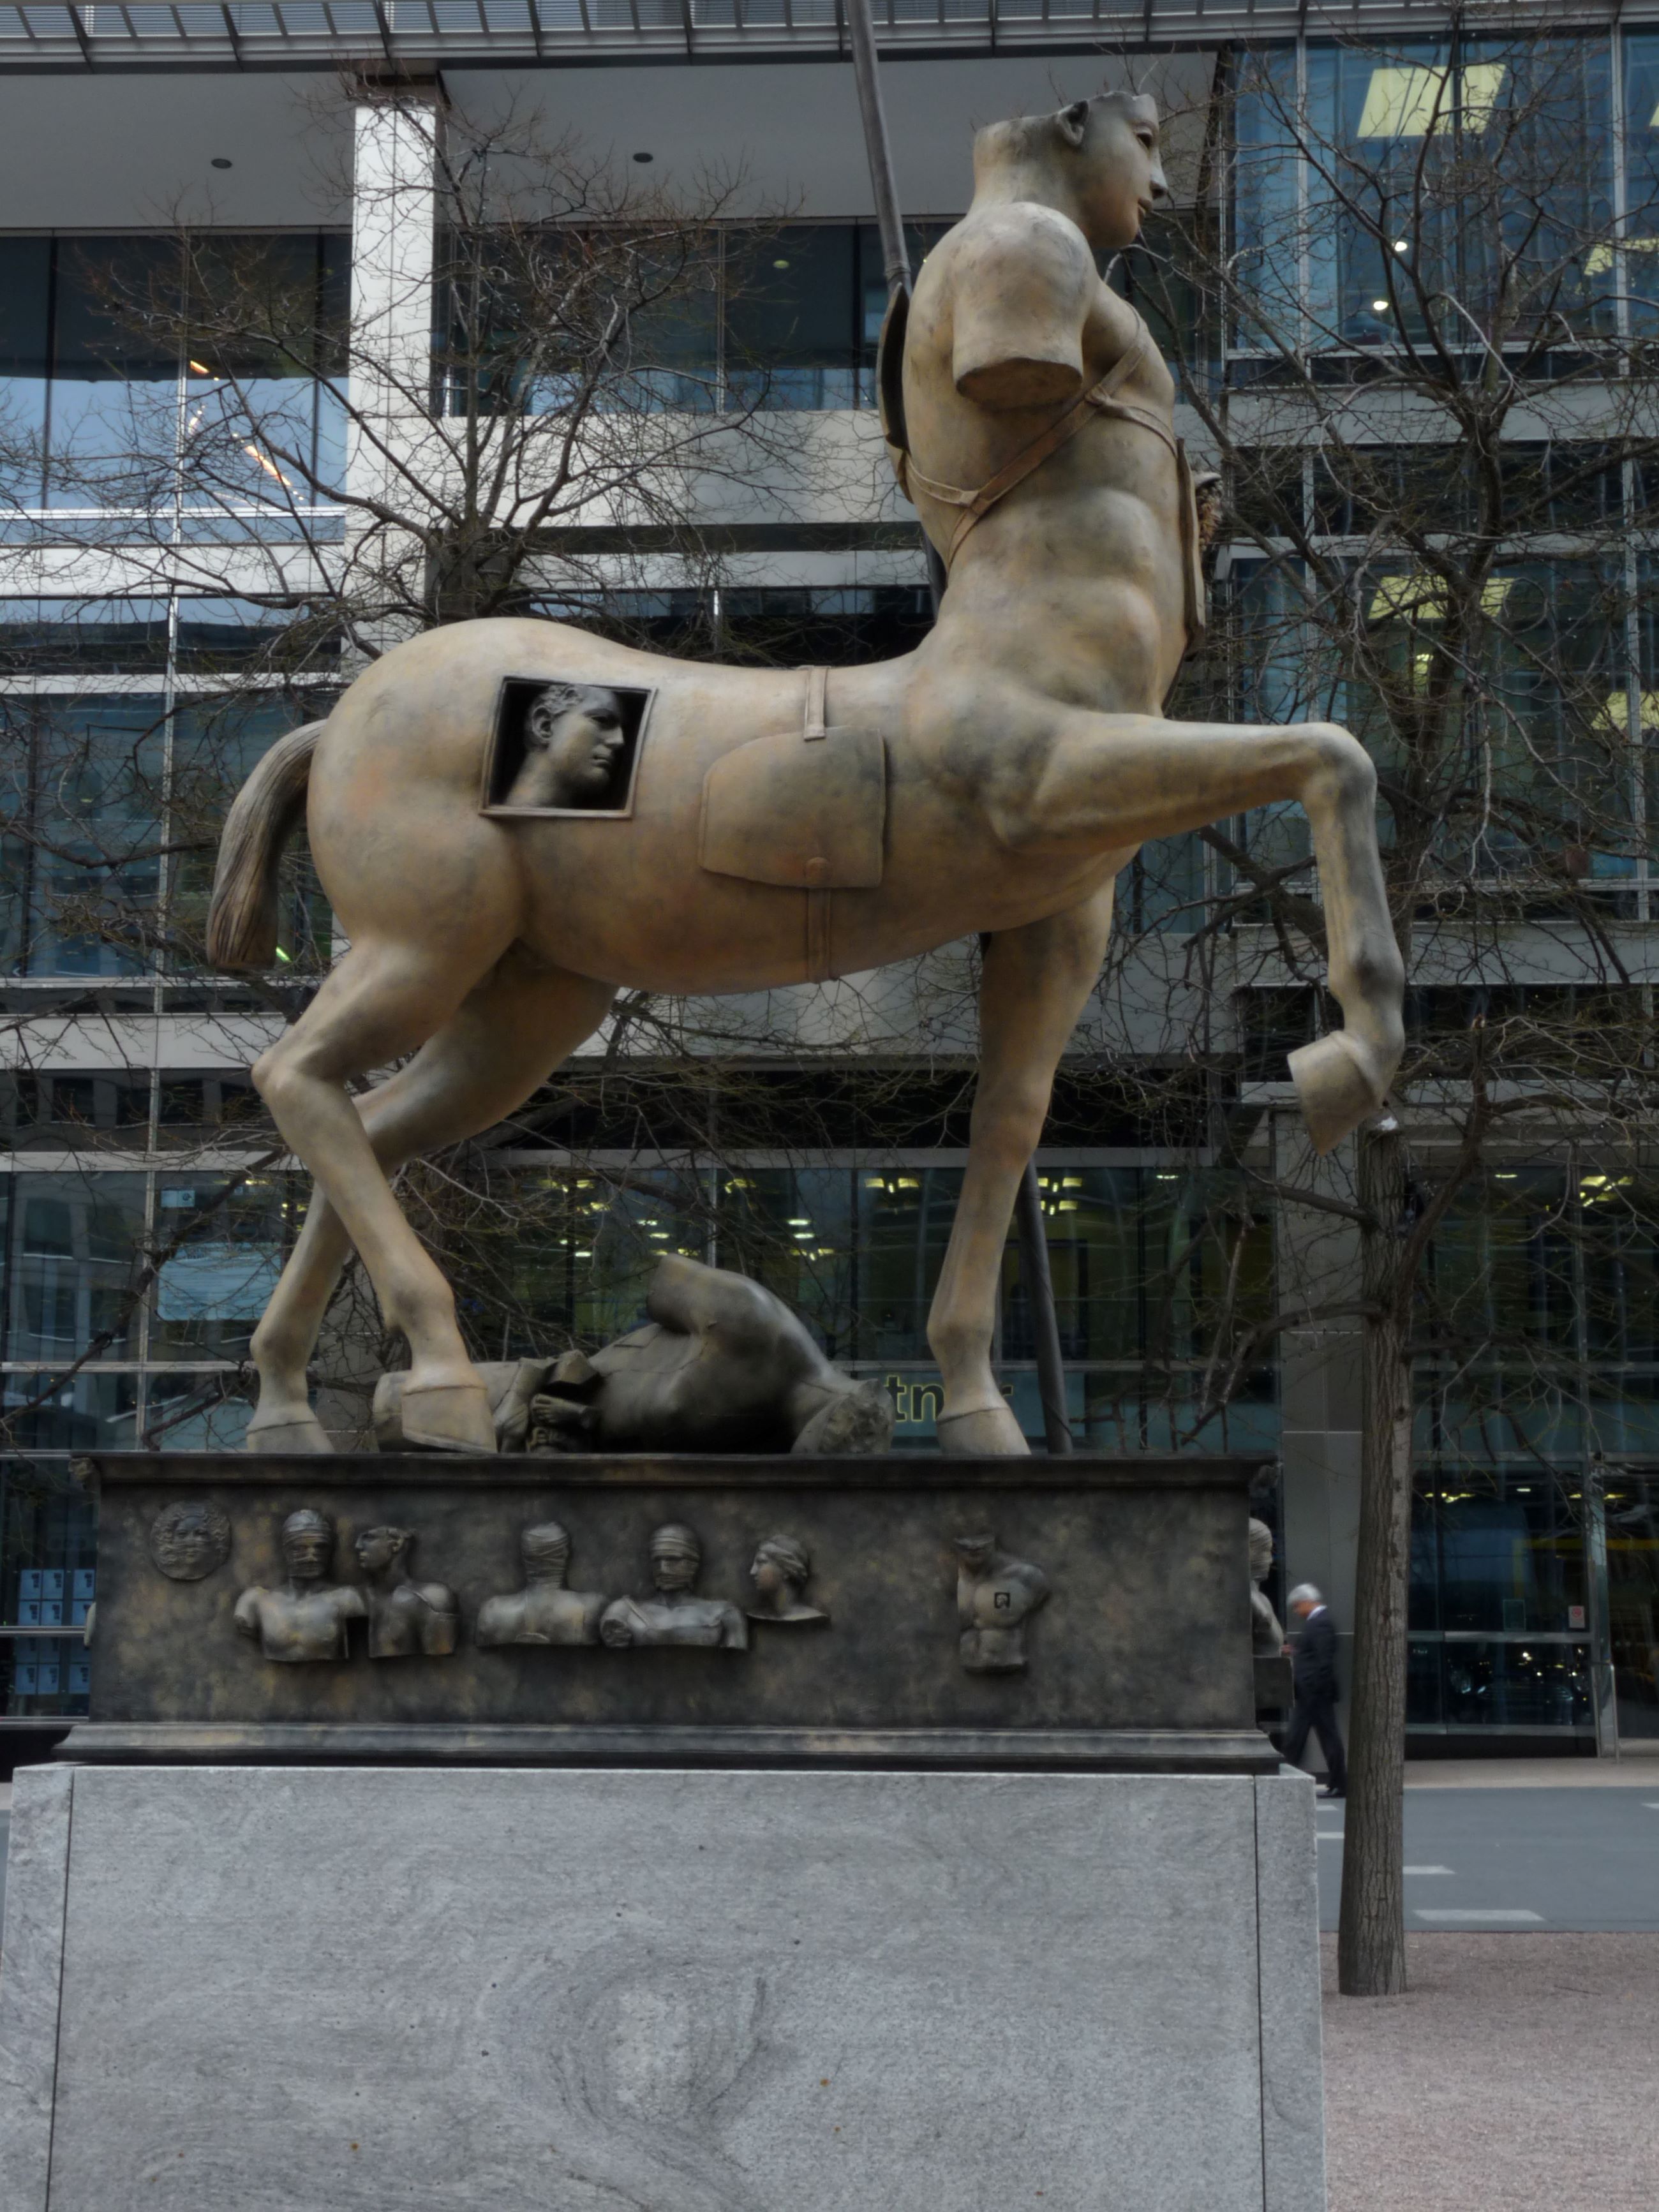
514,820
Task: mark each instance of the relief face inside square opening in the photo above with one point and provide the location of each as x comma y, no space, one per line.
564,746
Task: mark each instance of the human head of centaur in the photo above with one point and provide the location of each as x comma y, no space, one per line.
1096,161
578,727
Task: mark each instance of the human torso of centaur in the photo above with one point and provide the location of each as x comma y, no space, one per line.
1096,528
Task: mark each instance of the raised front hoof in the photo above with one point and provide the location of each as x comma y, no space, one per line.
1335,1091
453,1417
985,1433
287,1431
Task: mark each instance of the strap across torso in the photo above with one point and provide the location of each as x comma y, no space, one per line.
1100,399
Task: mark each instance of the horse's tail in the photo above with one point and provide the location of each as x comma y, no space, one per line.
242,930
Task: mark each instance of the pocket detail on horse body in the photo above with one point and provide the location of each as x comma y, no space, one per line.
800,814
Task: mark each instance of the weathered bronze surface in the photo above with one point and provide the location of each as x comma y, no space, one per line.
721,1365
1023,757
306,1618
1267,1634
780,1571
996,1596
543,1611
1141,1654
189,1538
407,1619
674,1614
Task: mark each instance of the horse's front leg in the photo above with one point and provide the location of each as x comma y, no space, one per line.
1034,983
1126,778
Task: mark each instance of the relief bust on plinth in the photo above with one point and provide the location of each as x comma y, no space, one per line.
543,1611
674,1614
307,1617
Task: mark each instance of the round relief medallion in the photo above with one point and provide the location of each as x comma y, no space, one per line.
190,1539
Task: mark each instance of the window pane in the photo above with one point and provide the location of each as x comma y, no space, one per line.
48,1542
114,385
794,317
25,296
97,770
214,749
231,1239
74,1247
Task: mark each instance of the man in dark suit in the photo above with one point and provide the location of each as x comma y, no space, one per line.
1313,1680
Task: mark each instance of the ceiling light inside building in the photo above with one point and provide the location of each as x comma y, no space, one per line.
1410,103
1379,307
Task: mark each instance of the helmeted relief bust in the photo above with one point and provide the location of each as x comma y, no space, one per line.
543,1611
674,1614
407,1619
307,1617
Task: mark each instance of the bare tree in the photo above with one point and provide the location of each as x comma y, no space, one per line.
1428,382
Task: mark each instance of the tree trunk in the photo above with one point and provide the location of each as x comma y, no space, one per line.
1371,1946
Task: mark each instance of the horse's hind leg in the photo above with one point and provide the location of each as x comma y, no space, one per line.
381,1000
1034,985
1111,780
508,1036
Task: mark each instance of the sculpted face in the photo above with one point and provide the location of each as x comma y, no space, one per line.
770,1580
307,1550
673,1566
376,1549
976,1553
194,1543
1120,177
582,738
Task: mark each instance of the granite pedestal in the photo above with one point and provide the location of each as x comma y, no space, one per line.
295,1988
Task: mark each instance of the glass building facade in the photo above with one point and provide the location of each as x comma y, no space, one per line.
147,1212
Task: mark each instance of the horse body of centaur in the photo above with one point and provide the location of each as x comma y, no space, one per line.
762,828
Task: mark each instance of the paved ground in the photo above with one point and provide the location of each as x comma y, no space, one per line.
1495,1858
1517,2074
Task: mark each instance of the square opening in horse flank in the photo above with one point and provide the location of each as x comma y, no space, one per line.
509,747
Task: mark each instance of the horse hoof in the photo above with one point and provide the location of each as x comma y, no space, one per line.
987,1432
287,1431
1335,1092
454,1416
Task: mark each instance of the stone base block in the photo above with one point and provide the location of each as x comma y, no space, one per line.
609,1990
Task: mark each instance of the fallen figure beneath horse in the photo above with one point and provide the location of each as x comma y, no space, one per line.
728,829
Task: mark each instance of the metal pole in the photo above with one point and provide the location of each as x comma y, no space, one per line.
894,259
895,263
1045,1326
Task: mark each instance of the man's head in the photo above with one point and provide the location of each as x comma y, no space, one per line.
377,1549
579,727
1097,160
675,1556
545,1550
308,1544
1304,1600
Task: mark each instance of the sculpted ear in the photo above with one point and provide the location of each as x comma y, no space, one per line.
1073,122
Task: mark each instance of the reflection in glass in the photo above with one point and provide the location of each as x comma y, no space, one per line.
72,1258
